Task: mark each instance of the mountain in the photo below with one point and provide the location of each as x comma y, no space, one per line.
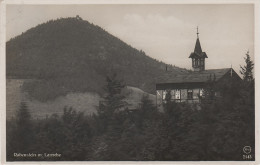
73,55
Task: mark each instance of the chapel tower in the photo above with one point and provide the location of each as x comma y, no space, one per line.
198,57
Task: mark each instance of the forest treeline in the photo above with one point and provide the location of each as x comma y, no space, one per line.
218,130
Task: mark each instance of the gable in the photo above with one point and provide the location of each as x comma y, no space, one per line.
230,75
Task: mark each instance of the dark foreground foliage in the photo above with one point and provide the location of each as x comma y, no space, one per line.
212,130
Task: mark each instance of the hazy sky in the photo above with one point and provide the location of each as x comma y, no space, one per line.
164,32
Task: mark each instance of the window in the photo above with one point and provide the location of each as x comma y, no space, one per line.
190,94
201,92
172,94
164,94
177,94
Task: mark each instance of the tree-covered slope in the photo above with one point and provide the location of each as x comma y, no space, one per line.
73,55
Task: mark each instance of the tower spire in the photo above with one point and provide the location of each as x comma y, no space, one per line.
197,32
231,70
247,53
198,56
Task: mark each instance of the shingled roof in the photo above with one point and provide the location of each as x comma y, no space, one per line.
202,76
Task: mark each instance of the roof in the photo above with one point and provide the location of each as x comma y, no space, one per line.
198,51
197,46
200,76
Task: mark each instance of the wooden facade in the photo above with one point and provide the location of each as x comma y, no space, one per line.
189,95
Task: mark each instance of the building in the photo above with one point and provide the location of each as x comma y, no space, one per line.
189,87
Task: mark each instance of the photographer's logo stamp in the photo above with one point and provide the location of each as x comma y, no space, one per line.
247,150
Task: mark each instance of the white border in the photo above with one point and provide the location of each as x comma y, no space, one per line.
68,2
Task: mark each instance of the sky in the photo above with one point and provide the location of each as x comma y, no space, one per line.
166,32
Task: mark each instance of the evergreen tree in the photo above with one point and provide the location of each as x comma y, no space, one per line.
24,129
168,96
112,101
147,111
111,117
113,97
168,102
247,70
77,135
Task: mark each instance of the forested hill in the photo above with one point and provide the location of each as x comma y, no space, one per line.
75,55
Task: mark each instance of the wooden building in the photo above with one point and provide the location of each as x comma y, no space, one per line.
189,87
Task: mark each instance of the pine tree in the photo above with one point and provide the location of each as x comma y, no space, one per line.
113,98
168,96
247,70
76,134
111,116
112,102
146,111
24,129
